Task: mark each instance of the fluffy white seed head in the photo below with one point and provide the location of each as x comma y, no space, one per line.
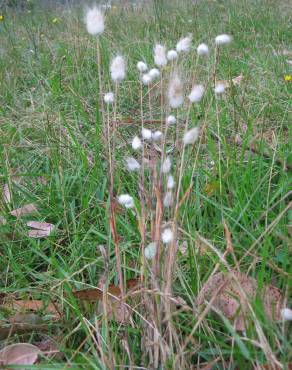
109,98
184,44
203,50
136,143
170,120
166,165
118,69
160,55
286,314
150,251
175,92
170,182
94,21
126,200
191,136
132,164
154,73
219,89
168,199
167,236
196,93
142,67
146,133
223,39
146,79
172,55
157,135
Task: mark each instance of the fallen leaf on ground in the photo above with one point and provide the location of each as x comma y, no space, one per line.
19,354
33,305
40,225
25,210
6,194
115,307
234,81
226,297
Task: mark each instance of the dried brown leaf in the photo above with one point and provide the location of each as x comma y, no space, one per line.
6,194
25,210
33,305
41,225
19,354
226,297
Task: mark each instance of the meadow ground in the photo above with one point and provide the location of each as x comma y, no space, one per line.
52,156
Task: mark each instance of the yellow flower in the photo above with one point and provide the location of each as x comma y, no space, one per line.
55,20
288,78
1,17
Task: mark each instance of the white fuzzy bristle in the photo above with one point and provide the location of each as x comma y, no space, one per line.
203,50
118,69
150,251
142,67
219,89
286,314
146,79
223,39
160,55
184,44
132,164
168,199
154,73
167,236
126,200
157,135
191,136
136,143
94,20
170,120
166,165
146,133
109,98
172,55
196,93
170,182
175,92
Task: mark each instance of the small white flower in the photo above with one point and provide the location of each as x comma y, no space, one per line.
191,136
172,55
132,164
203,49
167,236
157,135
175,92
223,39
154,73
170,120
168,199
118,69
126,200
184,44
166,165
136,143
150,251
196,93
94,21
170,182
219,89
160,55
146,133
109,98
142,67
286,314
146,79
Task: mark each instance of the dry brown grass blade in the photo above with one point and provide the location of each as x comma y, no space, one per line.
6,195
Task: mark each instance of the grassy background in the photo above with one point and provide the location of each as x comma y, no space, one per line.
50,130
